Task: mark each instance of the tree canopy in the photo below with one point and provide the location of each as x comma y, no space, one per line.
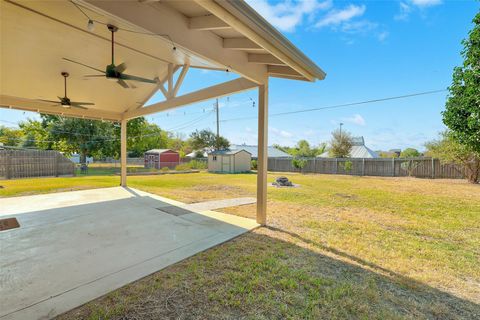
448,150
90,137
410,153
341,144
303,149
206,139
462,112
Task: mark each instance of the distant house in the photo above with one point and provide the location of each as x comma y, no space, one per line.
229,161
159,158
396,151
253,150
359,150
75,158
195,153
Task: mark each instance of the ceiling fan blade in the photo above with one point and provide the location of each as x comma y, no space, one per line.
93,68
135,78
94,75
83,103
77,105
123,83
121,67
52,101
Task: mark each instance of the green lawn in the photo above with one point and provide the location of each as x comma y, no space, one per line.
336,247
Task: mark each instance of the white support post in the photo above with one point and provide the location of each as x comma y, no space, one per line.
170,80
123,153
262,153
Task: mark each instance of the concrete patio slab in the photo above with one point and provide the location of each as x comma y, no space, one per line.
219,204
72,247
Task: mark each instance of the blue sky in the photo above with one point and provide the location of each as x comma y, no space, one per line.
369,50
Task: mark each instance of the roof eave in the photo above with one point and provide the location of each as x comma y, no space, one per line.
254,20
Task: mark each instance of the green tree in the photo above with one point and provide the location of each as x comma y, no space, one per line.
86,137
11,137
141,136
462,112
449,150
341,144
410,153
207,139
302,149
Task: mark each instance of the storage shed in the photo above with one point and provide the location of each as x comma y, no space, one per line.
229,161
159,158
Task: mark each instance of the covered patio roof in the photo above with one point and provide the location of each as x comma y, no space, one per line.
154,37
159,40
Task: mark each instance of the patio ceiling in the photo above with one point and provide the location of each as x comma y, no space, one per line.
216,35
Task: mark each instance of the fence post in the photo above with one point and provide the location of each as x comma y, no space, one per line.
363,166
393,167
433,168
336,166
314,165
55,163
8,162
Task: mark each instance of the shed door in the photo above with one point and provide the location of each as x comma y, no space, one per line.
226,164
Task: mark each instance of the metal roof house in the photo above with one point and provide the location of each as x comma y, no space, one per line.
272,151
359,150
229,161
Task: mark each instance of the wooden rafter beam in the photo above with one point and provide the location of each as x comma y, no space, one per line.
158,86
11,102
209,22
179,82
261,58
240,44
219,90
282,71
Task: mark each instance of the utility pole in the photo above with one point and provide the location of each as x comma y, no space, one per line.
218,121
341,124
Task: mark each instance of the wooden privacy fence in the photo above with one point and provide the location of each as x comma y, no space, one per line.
400,167
34,163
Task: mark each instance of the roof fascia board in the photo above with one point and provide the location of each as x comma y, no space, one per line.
247,21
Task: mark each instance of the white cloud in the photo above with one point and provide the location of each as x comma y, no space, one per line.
426,3
281,133
355,119
405,10
406,7
337,17
382,36
286,15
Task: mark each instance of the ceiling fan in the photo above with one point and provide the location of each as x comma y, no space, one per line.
65,102
113,72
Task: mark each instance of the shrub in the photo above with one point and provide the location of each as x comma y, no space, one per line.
348,166
196,164
253,165
299,163
410,166
165,169
182,167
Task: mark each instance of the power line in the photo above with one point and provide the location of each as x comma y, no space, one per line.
344,104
